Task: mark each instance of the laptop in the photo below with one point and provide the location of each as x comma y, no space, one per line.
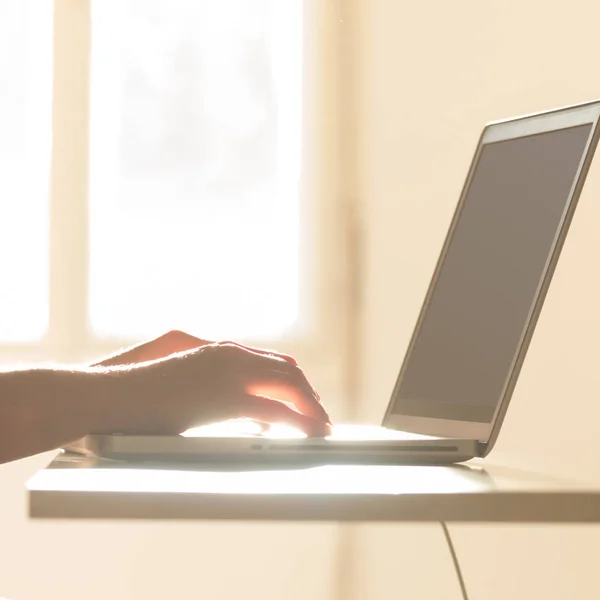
472,334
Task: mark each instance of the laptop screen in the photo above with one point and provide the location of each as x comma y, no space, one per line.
478,309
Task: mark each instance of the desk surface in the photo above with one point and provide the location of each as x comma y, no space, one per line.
80,488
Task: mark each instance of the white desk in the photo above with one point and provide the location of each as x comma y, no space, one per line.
79,488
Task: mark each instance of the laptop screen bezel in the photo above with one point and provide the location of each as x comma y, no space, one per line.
427,421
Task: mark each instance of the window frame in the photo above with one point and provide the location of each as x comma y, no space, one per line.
327,217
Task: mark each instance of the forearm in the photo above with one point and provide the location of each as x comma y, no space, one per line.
43,409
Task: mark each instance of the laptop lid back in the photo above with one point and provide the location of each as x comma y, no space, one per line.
488,287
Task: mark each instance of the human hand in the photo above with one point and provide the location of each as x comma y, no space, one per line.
170,391
170,343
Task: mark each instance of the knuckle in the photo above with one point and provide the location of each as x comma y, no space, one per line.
299,373
174,333
228,351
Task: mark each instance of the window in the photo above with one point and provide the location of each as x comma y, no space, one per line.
170,165
25,94
194,167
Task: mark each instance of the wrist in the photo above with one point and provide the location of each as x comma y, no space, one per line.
109,402
128,401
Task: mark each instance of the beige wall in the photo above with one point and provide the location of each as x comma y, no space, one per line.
424,76
156,561
428,76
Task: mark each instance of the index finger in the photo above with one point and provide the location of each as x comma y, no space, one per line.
279,379
286,392
271,411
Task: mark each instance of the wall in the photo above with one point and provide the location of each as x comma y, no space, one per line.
423,78
427,76
151,561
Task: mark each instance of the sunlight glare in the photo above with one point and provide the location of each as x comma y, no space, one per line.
244,427
195,167
25,141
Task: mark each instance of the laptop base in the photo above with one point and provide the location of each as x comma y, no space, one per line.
263,451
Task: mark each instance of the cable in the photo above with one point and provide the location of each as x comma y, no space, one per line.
461,581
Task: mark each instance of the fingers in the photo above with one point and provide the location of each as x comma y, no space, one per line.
302,401
269,376
250,406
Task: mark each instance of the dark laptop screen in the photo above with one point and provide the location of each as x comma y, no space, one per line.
488,281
